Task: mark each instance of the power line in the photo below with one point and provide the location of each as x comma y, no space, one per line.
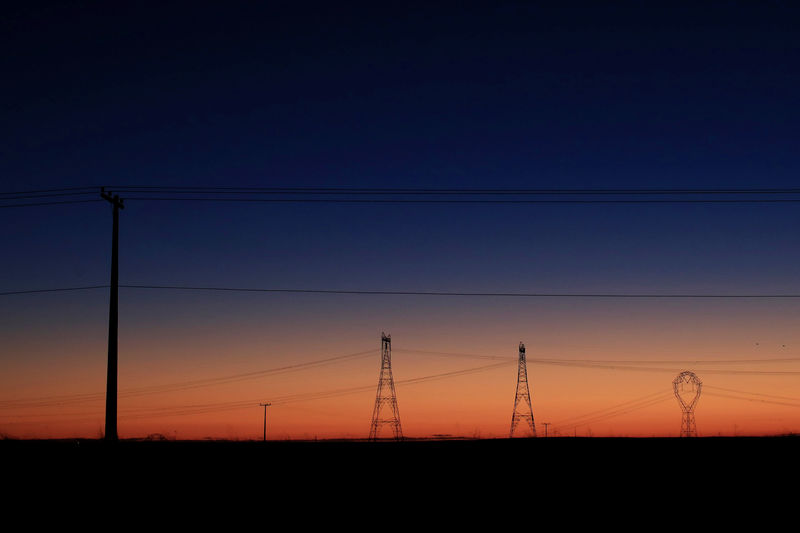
625,404
50,401
457,354
616,413
224,380
610,365
601,366
416,190
570,423
757,400
459,293
610,361
453,190
460,201
566,424
705,386
49,203
25,196
87,190
195,409
58,289
361,195
154,412
317,395
418,293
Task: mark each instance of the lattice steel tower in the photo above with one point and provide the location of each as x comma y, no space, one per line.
386,412
687,389
522,400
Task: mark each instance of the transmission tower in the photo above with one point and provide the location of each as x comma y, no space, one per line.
386,412
522,400
687,389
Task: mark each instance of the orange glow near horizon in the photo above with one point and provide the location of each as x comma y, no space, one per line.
64,379
470,405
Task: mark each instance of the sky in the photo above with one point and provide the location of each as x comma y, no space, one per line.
503,96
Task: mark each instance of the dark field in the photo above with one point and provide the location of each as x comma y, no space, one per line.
571,482
557,462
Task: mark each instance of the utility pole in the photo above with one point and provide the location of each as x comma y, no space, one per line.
265,405
545,424
113,322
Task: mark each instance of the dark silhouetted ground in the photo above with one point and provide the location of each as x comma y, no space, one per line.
350,483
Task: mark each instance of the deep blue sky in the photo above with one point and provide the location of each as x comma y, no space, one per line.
491,96
183,93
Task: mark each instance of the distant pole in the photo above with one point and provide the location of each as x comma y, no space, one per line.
545,424
113,322
265,405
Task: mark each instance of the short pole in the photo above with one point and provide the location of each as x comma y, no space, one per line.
265,405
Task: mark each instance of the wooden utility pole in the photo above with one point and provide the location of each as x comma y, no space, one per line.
113,322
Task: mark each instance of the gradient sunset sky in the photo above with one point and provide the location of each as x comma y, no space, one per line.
503,96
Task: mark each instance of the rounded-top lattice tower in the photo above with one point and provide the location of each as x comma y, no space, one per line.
687,387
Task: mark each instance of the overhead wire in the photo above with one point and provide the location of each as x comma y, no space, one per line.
36,204
582,363
614,414
735,391
666,369
579,363
535,358
456,195
452,195
420,190
366,292
61,196
757,400
452,190
51,401
87,190
625,404
629,364
235,378
57,289
185,410
28,196
462,201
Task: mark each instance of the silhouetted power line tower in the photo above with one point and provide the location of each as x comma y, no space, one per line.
687,389
386,412
522,400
